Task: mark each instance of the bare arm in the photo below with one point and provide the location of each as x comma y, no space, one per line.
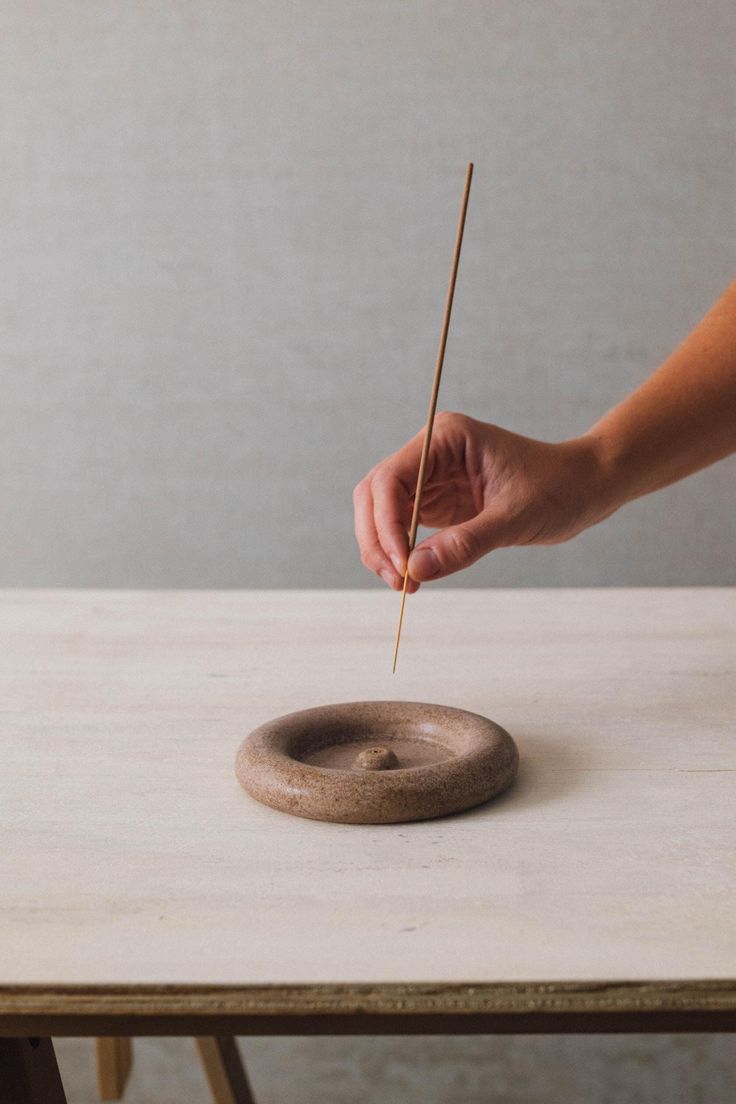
682,418
488,488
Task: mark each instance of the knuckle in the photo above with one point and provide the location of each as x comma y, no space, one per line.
464,545
384,482
368,558
451,419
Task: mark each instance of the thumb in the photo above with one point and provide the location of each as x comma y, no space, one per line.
455,548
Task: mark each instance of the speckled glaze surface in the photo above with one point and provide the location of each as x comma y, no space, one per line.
376,762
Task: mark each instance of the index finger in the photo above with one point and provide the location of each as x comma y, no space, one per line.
392,486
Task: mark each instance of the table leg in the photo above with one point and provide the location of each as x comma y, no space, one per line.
29,1073
114,1059
224,1070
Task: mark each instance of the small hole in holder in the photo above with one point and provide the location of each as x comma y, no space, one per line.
376,758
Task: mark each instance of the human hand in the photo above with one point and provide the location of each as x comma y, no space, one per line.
485,488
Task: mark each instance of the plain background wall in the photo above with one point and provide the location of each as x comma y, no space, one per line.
226,231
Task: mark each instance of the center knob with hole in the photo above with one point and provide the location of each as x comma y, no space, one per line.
376,758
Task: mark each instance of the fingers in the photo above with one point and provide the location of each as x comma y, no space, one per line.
391,517
371,552
382,504
392,486
456,547
382,508
403,465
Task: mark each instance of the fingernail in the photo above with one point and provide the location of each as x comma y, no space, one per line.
388,576
399,564
423,564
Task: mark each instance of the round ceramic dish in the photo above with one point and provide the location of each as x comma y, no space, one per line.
377,762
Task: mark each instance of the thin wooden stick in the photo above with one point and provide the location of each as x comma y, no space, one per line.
433,397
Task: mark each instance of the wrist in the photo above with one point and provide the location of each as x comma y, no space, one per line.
598,475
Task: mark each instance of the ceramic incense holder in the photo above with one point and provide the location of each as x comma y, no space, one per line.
377,762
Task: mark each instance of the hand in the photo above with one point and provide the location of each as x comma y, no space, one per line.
485,488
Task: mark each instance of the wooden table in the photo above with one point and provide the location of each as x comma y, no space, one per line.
143,892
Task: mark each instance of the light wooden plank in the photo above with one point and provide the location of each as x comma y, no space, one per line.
114,1061
130,854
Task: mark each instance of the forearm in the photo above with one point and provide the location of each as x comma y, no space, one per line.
490,488
680,420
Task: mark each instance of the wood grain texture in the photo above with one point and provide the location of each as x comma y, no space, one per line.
131,857
411,1009
114,1057
408,999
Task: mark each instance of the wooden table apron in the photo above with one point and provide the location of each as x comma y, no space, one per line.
369,1010
142,892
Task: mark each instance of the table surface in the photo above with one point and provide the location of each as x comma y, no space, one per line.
131,856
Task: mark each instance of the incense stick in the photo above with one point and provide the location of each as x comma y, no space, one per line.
433,398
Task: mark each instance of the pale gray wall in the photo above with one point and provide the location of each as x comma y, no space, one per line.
225,235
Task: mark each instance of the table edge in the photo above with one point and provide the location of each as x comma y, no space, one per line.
518,1008
390,998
